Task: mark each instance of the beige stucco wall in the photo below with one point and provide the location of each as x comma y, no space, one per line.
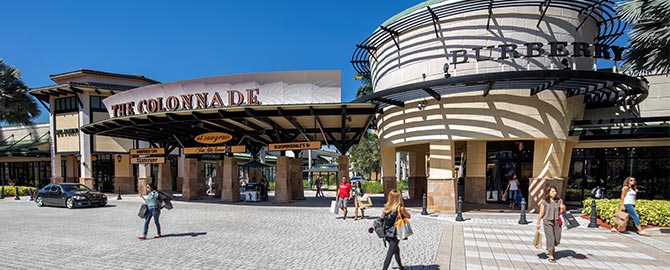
106,143
70,142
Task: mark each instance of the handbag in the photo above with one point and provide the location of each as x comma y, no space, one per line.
569,220
143,211
621,218
403,229
364,202
333,207
537,241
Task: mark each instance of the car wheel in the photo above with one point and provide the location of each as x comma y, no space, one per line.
39,201
103,204
69,203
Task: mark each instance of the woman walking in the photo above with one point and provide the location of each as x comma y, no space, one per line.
358,194
628,198
513,188
550,208
153,210
390,215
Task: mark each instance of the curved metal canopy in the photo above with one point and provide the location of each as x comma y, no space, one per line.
341,125
601,89
603,12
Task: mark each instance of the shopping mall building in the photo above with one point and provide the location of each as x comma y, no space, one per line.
474,91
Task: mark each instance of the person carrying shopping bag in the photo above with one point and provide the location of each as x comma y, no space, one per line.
550,207
628,199
390,215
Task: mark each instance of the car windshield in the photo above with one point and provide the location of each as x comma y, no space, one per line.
76,188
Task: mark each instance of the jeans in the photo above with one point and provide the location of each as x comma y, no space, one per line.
394,250
630,209
155,213
512,195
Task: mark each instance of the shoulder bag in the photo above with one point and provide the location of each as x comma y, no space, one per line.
402,227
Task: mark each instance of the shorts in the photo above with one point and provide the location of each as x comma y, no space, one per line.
342,202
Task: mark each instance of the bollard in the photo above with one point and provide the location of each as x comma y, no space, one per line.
459,215
522,219
425,202
119,197
16,192
32,198
594,219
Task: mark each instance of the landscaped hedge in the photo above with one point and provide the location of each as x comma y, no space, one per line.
652,212
23,191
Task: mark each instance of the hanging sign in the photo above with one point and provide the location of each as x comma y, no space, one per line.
147,151
294,146
214,150
147,160
213,138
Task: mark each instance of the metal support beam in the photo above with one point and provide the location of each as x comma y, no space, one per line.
488,88
435,19
490,8
546,5
390,101
433,94
588,15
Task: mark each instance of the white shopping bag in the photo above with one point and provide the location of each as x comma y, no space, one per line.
333,207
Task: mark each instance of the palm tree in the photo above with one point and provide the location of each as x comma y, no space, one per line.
16,105
649,36
366,84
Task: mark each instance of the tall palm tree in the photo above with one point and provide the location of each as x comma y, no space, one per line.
649,36
366,84
16,105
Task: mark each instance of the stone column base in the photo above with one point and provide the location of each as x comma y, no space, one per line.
87,181
442,196
283,192
125,183
537,188
417,186
390,183
180,183
297,189
475,189
55,180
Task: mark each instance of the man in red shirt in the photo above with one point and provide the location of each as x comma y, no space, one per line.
343,195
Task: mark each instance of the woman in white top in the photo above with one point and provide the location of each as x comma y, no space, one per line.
628,198
513,188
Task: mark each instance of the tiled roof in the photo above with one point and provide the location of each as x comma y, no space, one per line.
103,73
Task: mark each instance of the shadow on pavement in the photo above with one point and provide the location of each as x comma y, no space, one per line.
569,253
191,234
421,267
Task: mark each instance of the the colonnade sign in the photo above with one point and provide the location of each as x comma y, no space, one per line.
294,146
145,156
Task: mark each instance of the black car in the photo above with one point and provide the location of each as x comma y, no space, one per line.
70,195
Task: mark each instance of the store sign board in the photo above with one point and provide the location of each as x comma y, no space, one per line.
213,138
214,150
294,146
148,160
147,151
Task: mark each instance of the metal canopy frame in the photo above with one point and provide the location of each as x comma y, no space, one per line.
603,12
250,126
601,89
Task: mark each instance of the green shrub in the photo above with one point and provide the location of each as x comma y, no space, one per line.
373,187
651,212
402,185
23,191
271,186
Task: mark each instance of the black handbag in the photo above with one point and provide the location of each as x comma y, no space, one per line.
143,211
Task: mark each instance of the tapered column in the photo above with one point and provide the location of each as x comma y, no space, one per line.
218,180
283,192
475,177
144,177
417,170
442,186
297,191
165,177
190,188
202,179
388,169
342,167
230,189
547,170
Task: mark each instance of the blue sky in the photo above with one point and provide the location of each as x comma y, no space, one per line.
177,40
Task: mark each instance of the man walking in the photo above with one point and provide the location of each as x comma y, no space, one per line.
343,195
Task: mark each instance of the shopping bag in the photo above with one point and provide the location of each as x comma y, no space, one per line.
621,218
537,241
518,198
143,211
364,202
569,220
402,227
333,207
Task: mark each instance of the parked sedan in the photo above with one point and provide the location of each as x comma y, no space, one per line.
69,195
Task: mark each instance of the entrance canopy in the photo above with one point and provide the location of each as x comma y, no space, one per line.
341,125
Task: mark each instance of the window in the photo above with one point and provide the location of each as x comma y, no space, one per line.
97,104
66,104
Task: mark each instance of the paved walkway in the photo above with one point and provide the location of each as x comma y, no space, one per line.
209,234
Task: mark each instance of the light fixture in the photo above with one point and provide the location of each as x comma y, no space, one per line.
119,158
445,68
421,105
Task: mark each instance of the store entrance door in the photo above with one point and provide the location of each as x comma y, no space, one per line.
103,171
504,159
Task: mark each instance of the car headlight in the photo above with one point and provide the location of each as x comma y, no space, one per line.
79,198
104,196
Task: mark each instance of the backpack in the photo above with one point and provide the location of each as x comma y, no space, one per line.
378,226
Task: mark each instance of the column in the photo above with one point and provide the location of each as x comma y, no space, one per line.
442,186
164,177
230,188
548,170
86,167
297,189
56,173
144,171
475,173
218,180
123,174
180,171
189,190
388,169
417,172
342,167
282,188
202,179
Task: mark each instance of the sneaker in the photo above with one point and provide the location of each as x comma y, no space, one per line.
142,238
157,236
